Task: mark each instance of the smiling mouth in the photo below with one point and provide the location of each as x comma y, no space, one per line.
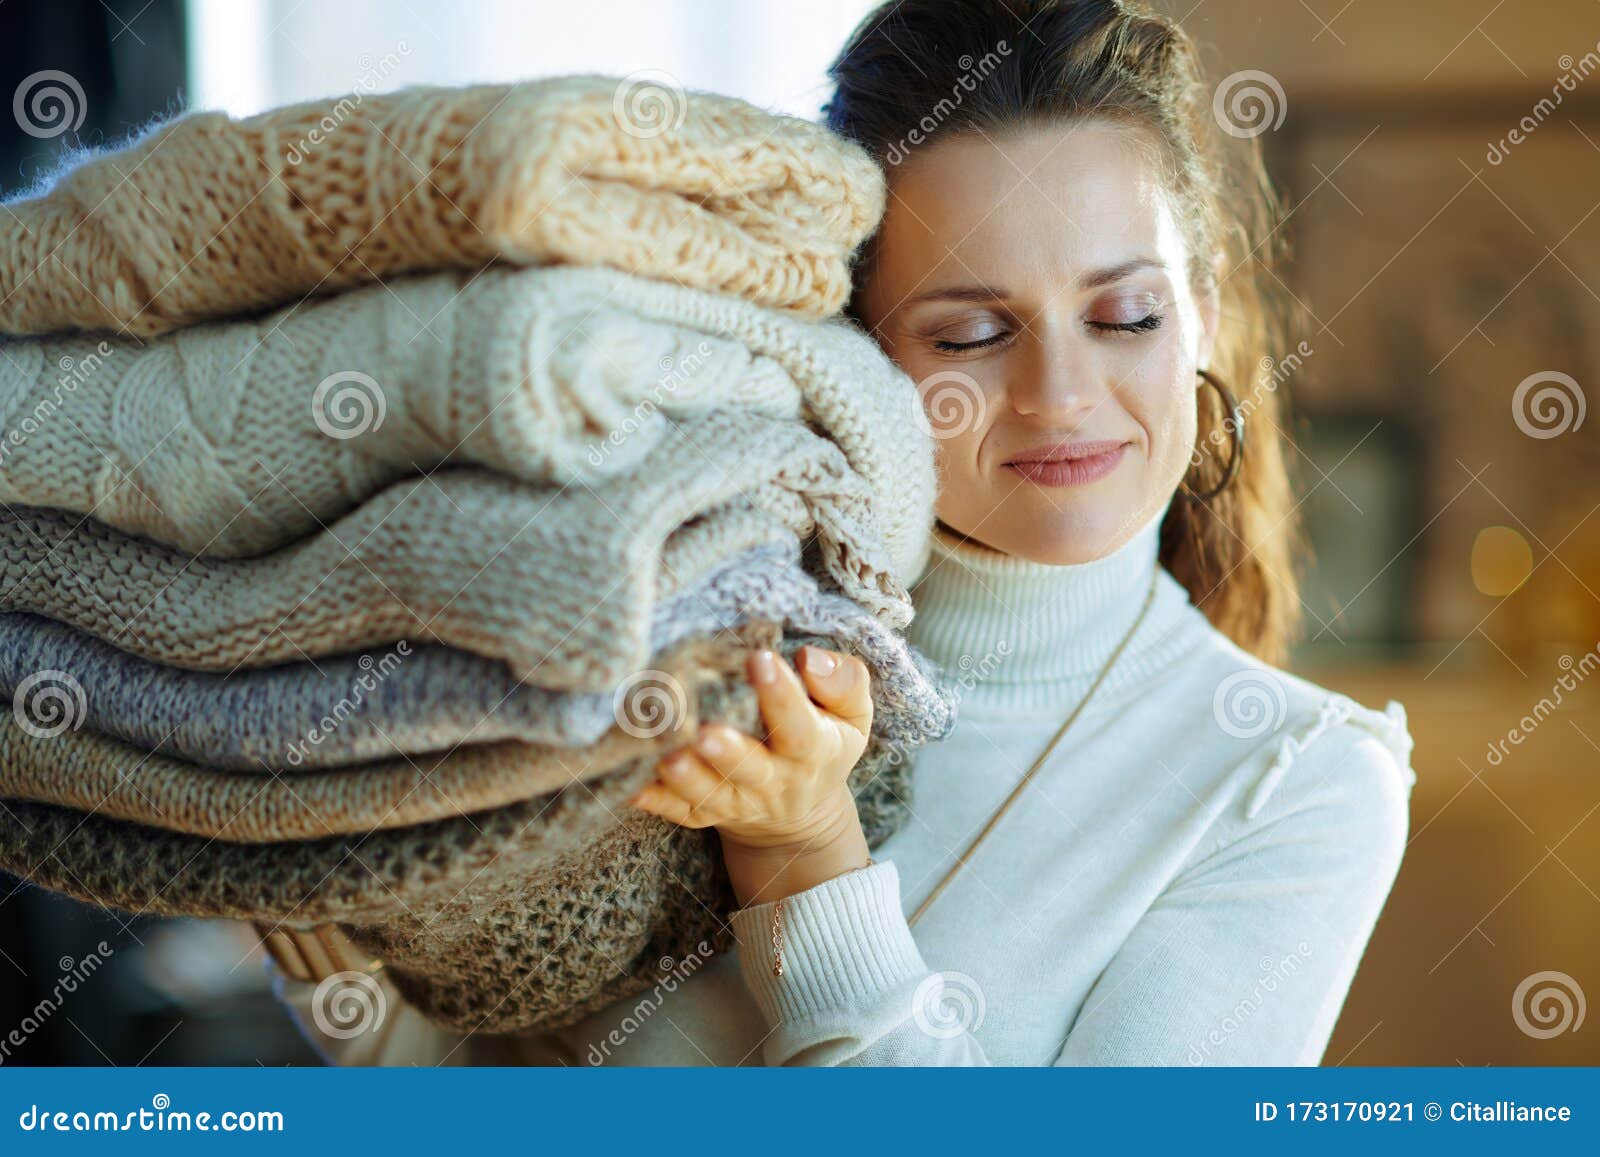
1071,464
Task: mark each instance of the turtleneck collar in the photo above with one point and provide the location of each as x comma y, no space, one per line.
1030,633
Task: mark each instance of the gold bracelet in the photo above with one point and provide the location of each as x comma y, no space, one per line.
777,926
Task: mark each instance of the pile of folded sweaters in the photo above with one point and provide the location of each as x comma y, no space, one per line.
388,482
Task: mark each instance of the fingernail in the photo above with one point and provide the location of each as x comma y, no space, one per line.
819,662
709,743
766,667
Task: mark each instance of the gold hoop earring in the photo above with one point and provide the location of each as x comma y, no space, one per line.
1235,426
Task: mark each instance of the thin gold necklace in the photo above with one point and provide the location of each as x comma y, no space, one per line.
1028,775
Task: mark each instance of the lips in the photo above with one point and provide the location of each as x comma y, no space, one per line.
1068,464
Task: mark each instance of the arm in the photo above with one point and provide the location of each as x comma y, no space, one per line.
854,988
1246,958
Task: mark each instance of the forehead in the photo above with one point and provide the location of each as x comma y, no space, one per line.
1038,205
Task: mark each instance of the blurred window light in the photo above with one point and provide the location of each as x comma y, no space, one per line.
250,55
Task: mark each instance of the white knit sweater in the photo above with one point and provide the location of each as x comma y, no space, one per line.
1191,879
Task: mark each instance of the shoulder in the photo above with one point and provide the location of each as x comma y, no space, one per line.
1287,746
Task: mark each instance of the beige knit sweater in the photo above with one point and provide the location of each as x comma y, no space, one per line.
235,438
560,585
204,216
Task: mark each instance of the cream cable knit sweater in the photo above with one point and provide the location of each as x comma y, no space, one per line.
1192,879
236,438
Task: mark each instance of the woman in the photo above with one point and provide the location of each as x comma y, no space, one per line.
1180,852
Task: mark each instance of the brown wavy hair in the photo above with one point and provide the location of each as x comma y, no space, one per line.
918,70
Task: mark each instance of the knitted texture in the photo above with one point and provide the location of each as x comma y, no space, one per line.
236,438
562,586
488,496
49,760
205,216
418,700
525,916
88,771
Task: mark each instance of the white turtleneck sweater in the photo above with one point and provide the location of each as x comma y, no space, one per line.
1191,878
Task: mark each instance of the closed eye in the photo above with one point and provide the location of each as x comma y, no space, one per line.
964,346
1143,325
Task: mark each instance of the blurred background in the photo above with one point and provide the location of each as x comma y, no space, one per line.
1439,162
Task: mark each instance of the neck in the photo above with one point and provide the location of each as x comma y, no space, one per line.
1031,633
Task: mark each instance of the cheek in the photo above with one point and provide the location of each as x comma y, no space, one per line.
961,402
1163,402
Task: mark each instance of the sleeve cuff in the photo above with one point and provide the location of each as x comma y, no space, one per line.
845,942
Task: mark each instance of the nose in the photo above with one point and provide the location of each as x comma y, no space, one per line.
1056,377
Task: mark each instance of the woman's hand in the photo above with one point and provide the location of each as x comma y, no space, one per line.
783,808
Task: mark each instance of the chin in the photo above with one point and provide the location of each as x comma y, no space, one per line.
1062,531
1071,544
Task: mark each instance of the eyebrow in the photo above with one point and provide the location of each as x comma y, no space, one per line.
1091,280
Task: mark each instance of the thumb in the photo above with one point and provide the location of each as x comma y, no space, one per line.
841,685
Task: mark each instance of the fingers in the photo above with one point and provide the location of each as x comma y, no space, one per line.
686,791
841,684
725,775
686,775
659,800
786,707
733,755
695,784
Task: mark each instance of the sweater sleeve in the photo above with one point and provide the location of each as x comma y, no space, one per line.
1246,957
854,989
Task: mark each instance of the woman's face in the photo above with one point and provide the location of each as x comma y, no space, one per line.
1036,287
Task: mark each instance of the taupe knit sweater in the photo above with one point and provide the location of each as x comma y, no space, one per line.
50,757
408,700
560,586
